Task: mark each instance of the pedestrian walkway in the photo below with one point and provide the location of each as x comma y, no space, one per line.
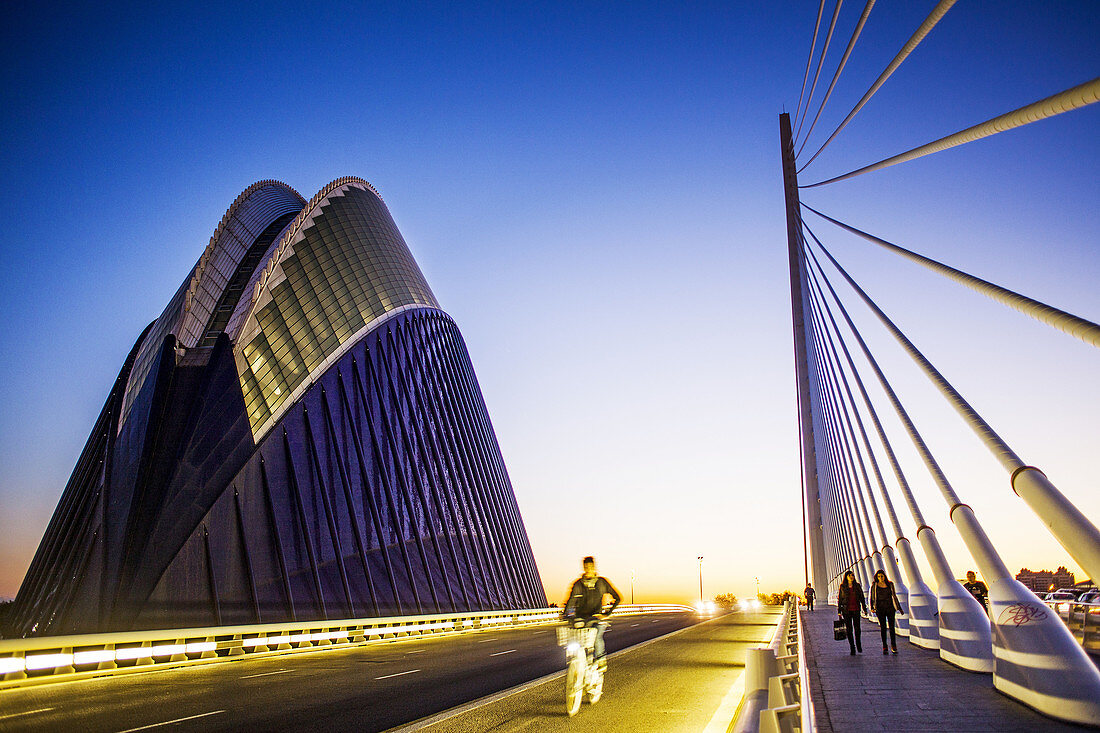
912,691
677,683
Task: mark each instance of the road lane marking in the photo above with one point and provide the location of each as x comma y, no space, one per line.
27,712
727,708
424,723
265,674
417,651
485,640
633,625
396,674
171,722
497,654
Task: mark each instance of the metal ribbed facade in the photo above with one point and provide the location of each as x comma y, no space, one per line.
377,489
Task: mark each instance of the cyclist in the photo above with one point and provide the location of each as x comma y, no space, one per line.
586,602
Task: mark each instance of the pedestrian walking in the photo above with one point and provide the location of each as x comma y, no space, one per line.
885,605
809,595
848,602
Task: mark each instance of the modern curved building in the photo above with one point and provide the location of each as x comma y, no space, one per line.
299,435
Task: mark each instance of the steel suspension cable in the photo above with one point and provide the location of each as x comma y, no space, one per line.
933,552
848,480
836,75
1085,330
896,525
921,592
907,492
822,453
1066,522
810,57
1079,96
934,17
817,71
841,408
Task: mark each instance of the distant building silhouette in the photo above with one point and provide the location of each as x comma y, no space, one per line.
298,436
1043,581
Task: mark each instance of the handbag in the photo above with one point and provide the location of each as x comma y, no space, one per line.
840,630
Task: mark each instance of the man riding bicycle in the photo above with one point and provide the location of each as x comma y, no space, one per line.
586,603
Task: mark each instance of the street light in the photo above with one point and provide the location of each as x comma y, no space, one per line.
700,579
633,574
757,586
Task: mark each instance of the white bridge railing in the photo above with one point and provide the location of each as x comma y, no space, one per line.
777,698
63,658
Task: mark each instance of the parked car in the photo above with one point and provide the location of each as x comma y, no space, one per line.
1092,599
1060,600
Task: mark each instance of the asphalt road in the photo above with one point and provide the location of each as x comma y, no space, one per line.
366,688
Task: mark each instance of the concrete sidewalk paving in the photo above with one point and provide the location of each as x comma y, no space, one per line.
674,683
912,691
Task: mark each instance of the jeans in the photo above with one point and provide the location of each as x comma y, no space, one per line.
597,647
852,623
887,618
810,604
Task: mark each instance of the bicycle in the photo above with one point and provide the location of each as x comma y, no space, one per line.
583,675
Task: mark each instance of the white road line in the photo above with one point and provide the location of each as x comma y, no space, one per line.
27,712
633,625
497,654
727,708
265,674
396,674
416,651
423,723
171,722
485,640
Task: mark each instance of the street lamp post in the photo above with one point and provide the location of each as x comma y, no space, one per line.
633,574
700,579
757,579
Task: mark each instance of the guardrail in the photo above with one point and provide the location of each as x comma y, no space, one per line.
776,683
1083,620
63,658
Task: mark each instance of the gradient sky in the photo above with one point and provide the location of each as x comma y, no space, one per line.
595,196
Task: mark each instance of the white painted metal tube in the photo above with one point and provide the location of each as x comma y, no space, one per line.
924,607
1076,326
1065,101
1037,660
965,637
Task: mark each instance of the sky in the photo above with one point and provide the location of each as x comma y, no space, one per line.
594,194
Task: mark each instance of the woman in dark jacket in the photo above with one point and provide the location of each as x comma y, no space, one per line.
884,603
849,600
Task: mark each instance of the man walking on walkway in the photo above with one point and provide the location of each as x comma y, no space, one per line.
809,594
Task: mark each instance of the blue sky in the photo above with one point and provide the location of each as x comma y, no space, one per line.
594,194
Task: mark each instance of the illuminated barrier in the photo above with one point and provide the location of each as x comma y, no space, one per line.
775,681
63,658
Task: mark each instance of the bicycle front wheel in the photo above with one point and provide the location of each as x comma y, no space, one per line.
574,684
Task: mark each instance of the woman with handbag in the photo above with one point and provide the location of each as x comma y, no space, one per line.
849,600
884,602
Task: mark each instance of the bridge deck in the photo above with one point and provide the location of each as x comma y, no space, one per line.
676,683
913,691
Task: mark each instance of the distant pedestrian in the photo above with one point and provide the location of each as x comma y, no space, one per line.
884,604
809,595
977,589
848,602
